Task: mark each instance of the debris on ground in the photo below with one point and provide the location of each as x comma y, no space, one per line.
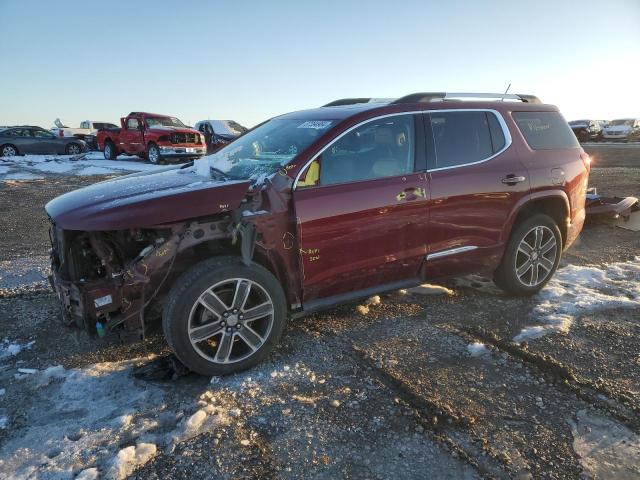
613,207
167,367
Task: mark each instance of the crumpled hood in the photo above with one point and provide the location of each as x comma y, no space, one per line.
145,200
161,130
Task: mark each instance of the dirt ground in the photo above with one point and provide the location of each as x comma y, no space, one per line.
422,386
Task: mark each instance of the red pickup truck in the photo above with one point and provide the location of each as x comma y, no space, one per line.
151,136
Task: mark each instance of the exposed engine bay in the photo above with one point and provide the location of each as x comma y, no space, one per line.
108,279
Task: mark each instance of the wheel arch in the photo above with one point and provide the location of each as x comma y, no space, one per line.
9,144
265,258
553,203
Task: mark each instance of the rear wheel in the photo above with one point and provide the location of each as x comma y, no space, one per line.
110,151
153,153
9,151
531,257
73,149
223,317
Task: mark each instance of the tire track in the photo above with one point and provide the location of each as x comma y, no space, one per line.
595,394
439,420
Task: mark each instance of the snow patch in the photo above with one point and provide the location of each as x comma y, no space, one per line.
88,474
11,349
606,449
428,289
575,290
477,349
31,167
130,458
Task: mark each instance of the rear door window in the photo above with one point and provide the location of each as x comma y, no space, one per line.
465,137
545,130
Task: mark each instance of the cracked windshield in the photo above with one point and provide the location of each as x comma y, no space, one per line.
262,151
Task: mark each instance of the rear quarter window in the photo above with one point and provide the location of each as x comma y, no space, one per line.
545,130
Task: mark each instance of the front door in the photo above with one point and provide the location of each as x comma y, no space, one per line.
361,209
47,143
476,180
131,138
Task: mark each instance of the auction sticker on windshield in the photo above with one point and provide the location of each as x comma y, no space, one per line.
316,124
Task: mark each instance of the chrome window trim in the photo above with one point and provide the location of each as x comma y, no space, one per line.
353,127
451,251
503,124
505,131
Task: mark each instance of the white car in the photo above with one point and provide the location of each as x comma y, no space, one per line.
86,132
622,129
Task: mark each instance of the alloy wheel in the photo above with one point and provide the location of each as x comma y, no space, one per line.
73,149
154,155
536,256
230,320
8,151
107,151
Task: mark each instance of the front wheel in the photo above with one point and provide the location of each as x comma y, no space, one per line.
9,151
531,257
110,151
153,153
223,317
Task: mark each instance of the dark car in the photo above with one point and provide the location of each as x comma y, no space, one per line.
26,140
316,208
586,130
218,133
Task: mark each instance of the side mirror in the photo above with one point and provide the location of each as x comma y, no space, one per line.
141,127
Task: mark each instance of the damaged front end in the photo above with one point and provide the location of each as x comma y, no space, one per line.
109,279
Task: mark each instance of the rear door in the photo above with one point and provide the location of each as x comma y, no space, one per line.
131,137
361,209
476,180
22,139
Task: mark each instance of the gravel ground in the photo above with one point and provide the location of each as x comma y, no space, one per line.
422,386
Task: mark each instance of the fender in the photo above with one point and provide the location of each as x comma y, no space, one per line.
525,200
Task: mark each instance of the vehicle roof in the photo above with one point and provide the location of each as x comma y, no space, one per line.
342,112
148,114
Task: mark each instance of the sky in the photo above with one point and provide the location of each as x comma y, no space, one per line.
248,61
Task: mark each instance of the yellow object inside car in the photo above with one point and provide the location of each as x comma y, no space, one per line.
312,176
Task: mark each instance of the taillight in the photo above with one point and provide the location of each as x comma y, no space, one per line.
586,159
61,133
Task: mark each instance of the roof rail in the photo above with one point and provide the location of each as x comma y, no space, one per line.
442,96
353,101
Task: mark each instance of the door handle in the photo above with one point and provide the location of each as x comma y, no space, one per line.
513,179
411,193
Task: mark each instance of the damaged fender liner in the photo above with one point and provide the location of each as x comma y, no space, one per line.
123,294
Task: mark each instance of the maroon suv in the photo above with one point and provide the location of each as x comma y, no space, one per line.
319,207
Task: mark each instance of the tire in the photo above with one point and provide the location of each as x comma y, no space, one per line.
110,152
73,149
8,150
583,137
231,343
153,154
542,258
